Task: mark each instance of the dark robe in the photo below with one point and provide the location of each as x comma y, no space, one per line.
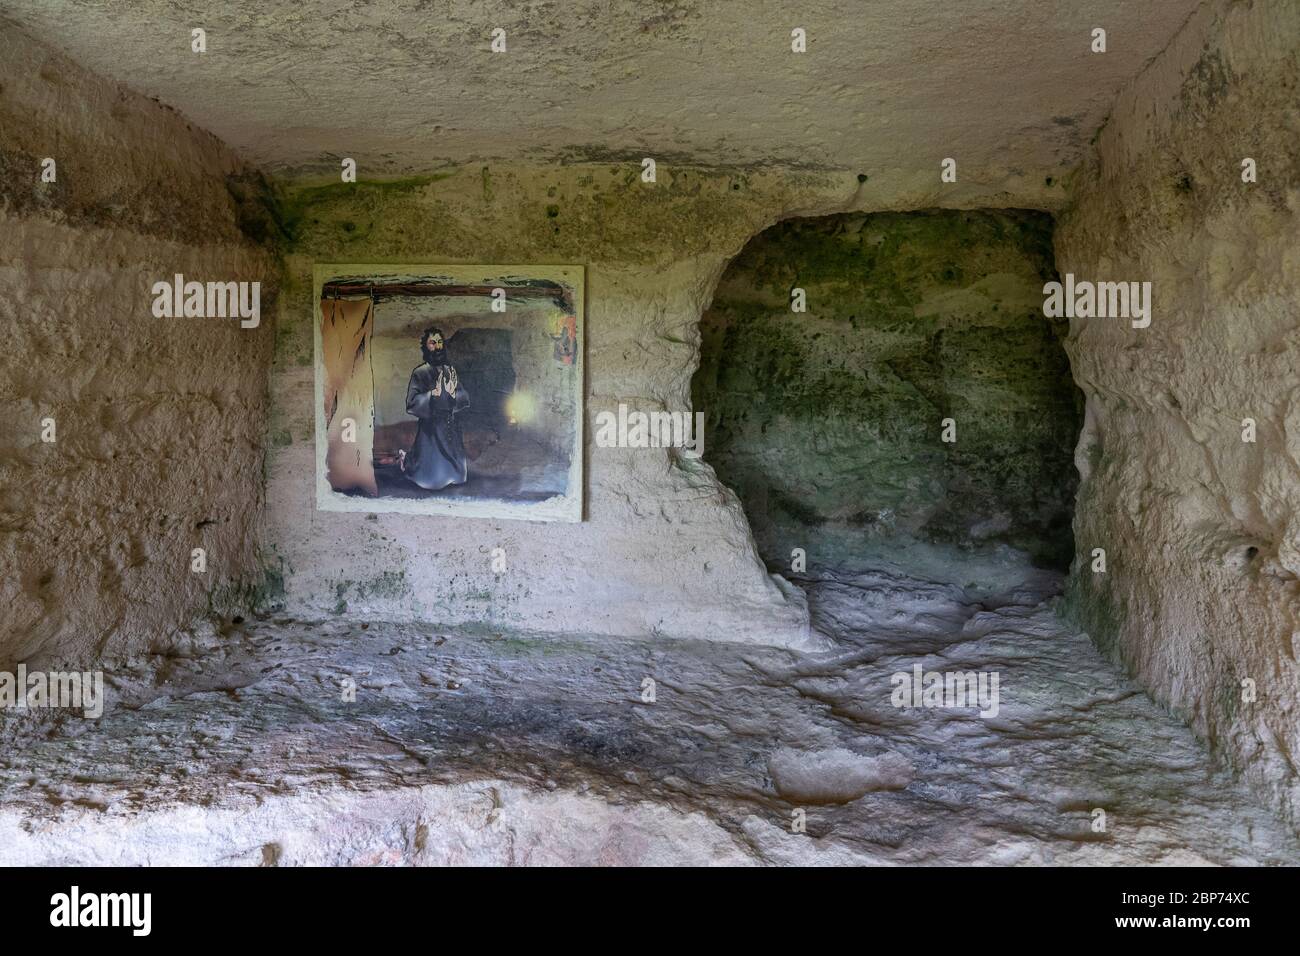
437,459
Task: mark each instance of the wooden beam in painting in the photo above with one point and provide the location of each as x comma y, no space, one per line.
345,288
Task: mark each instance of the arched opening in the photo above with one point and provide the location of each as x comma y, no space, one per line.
883,391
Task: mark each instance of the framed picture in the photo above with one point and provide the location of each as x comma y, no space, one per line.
450,390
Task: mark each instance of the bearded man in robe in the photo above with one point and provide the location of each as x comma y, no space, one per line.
435,396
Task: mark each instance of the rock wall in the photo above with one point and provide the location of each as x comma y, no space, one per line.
828,423
665,548
158,423
1199,596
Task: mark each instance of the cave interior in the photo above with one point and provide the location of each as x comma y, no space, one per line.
953,577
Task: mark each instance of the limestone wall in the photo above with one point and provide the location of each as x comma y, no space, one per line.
158,423
665,549
1201,529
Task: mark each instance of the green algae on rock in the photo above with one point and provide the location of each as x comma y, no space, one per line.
833,416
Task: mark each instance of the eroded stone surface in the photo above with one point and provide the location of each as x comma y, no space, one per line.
1199,526
236,748
158,423
835,417
887,88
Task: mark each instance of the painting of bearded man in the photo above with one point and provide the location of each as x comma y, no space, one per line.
435,396
396,439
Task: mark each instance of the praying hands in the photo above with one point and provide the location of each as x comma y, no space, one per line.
447,379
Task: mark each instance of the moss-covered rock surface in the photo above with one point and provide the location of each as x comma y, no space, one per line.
833,418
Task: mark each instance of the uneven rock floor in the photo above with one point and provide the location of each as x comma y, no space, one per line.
461,747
